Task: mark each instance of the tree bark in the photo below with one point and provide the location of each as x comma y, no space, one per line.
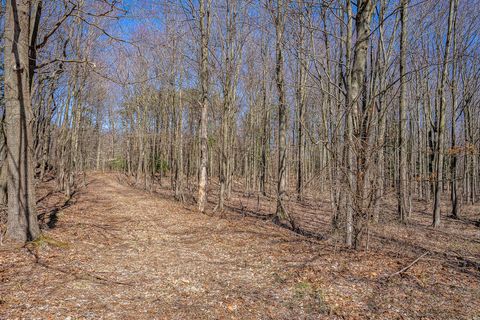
22,223
301,97
440,123
361,116
281,212
204,17
402,132
454,194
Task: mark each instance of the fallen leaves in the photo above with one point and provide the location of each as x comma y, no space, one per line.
134,255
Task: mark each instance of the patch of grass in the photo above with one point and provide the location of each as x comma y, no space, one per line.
118,164
161,166
44,241
302,289
311,296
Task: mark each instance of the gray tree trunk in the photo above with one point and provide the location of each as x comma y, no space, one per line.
440,123
22,223
281,212
402,132
204,17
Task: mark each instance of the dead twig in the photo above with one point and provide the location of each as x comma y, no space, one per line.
409,266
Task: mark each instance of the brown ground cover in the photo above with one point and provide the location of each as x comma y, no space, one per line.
115,252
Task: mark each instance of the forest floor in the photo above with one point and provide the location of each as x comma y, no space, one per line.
115,252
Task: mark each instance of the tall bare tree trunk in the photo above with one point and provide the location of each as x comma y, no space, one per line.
204,18
265,141
229,97
453,164
22,224
179,149
402,127
348,153
361,117
279,18
301,84
440,123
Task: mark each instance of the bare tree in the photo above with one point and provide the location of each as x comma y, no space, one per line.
402,126
361,114
20,44
205,22
279,20
440,121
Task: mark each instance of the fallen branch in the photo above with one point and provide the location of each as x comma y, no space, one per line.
409,266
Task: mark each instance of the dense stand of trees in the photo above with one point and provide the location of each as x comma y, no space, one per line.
46,46
358,101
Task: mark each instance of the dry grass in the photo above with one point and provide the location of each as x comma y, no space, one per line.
129,254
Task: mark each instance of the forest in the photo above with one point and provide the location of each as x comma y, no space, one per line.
240,159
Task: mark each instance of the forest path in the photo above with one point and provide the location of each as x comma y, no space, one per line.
121,253
131,254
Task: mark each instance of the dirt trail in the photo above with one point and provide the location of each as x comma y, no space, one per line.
132,255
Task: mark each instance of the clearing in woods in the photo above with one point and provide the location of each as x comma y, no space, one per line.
121,253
